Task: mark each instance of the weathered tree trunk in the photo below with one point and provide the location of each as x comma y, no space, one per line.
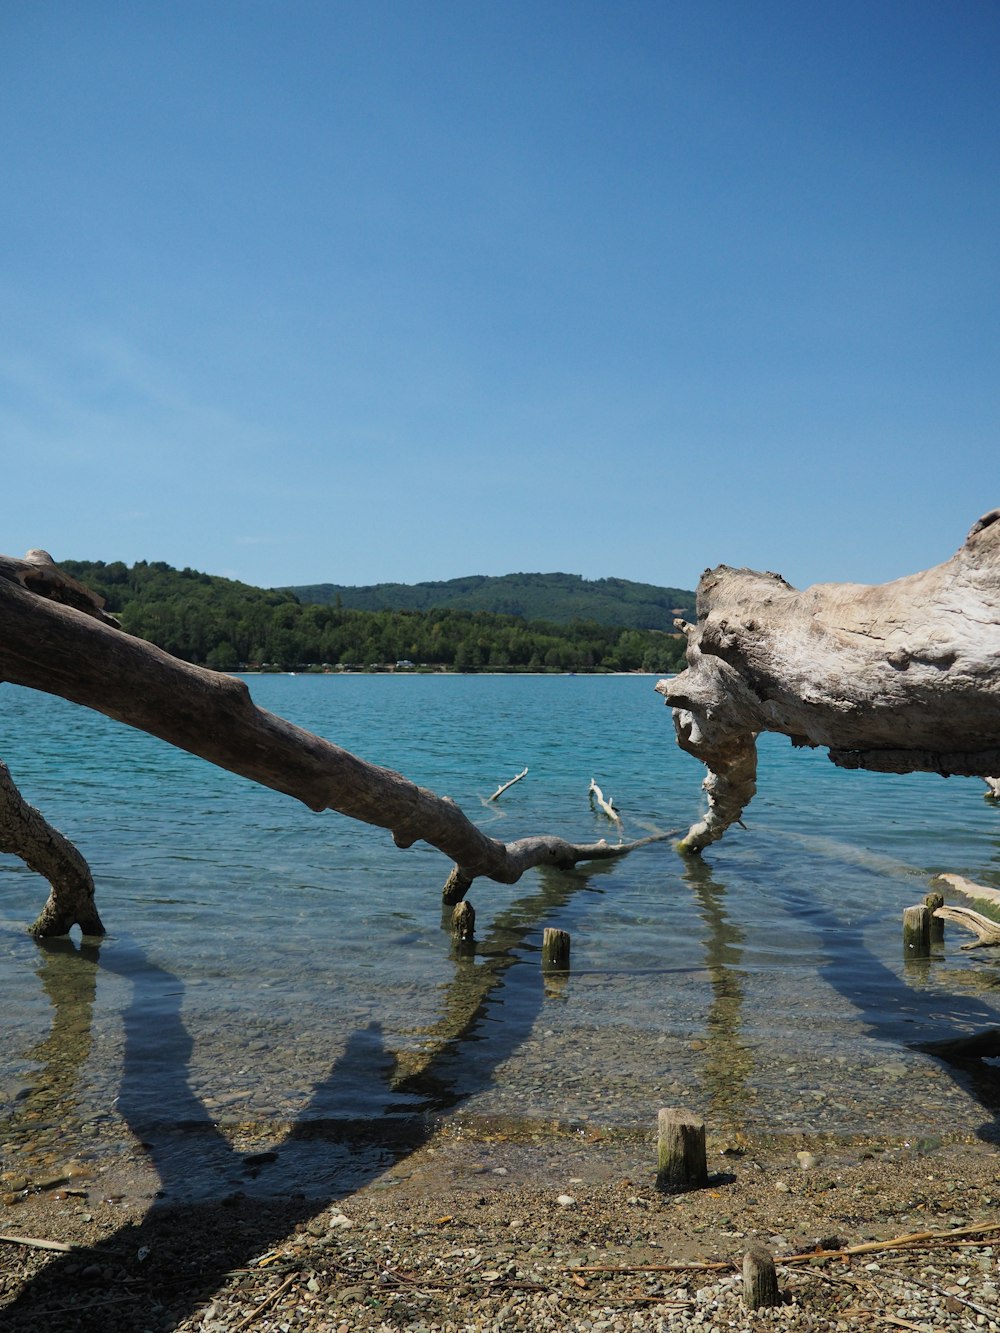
26,833
57,638
898,677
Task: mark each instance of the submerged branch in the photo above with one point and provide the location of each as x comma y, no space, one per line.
504,785
606,806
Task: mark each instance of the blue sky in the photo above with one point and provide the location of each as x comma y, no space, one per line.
368,291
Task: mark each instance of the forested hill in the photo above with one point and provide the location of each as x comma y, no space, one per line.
228,625
560,598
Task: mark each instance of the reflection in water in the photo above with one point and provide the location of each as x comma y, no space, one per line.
728,1061
441,1070
40,1118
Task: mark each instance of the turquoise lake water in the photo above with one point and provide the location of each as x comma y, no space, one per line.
270,967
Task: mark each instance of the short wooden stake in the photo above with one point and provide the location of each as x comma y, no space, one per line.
463,922
681,1160
932,902
760,1281
917,931
555,950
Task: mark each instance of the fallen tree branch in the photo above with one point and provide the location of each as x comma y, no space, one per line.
987,932
911,1240
26,833
503,787
82,656
970,889
268,1300
899,677
35,1243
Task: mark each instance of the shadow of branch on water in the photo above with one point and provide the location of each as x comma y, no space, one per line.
905,1011
221,1207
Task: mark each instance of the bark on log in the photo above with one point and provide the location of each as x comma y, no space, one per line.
899,677
78,652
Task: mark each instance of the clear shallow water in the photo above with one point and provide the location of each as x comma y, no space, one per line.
268,967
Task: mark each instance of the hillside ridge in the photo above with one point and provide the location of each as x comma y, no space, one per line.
229,625
556,597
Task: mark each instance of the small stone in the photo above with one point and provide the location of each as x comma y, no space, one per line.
565,1201
358,1293
807,1160
894,1069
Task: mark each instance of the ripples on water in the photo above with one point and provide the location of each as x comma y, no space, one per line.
255,947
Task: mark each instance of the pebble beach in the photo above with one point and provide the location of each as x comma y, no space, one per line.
480,1231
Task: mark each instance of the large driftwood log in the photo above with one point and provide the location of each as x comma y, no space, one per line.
898,677
56,637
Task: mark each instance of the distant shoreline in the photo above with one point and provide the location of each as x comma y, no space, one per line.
438,671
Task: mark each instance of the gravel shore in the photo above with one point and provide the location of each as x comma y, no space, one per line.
483,1231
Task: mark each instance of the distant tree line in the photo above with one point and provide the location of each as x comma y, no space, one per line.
228,625
557,598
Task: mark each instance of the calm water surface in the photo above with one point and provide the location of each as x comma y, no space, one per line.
267,966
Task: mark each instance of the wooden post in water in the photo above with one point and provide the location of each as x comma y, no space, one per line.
681,1161
760,1281
555,950
463,922
932,902
917,931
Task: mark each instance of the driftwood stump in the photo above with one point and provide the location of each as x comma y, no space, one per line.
917,931
760,1280
681,1160
463,922
932,901
555,950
